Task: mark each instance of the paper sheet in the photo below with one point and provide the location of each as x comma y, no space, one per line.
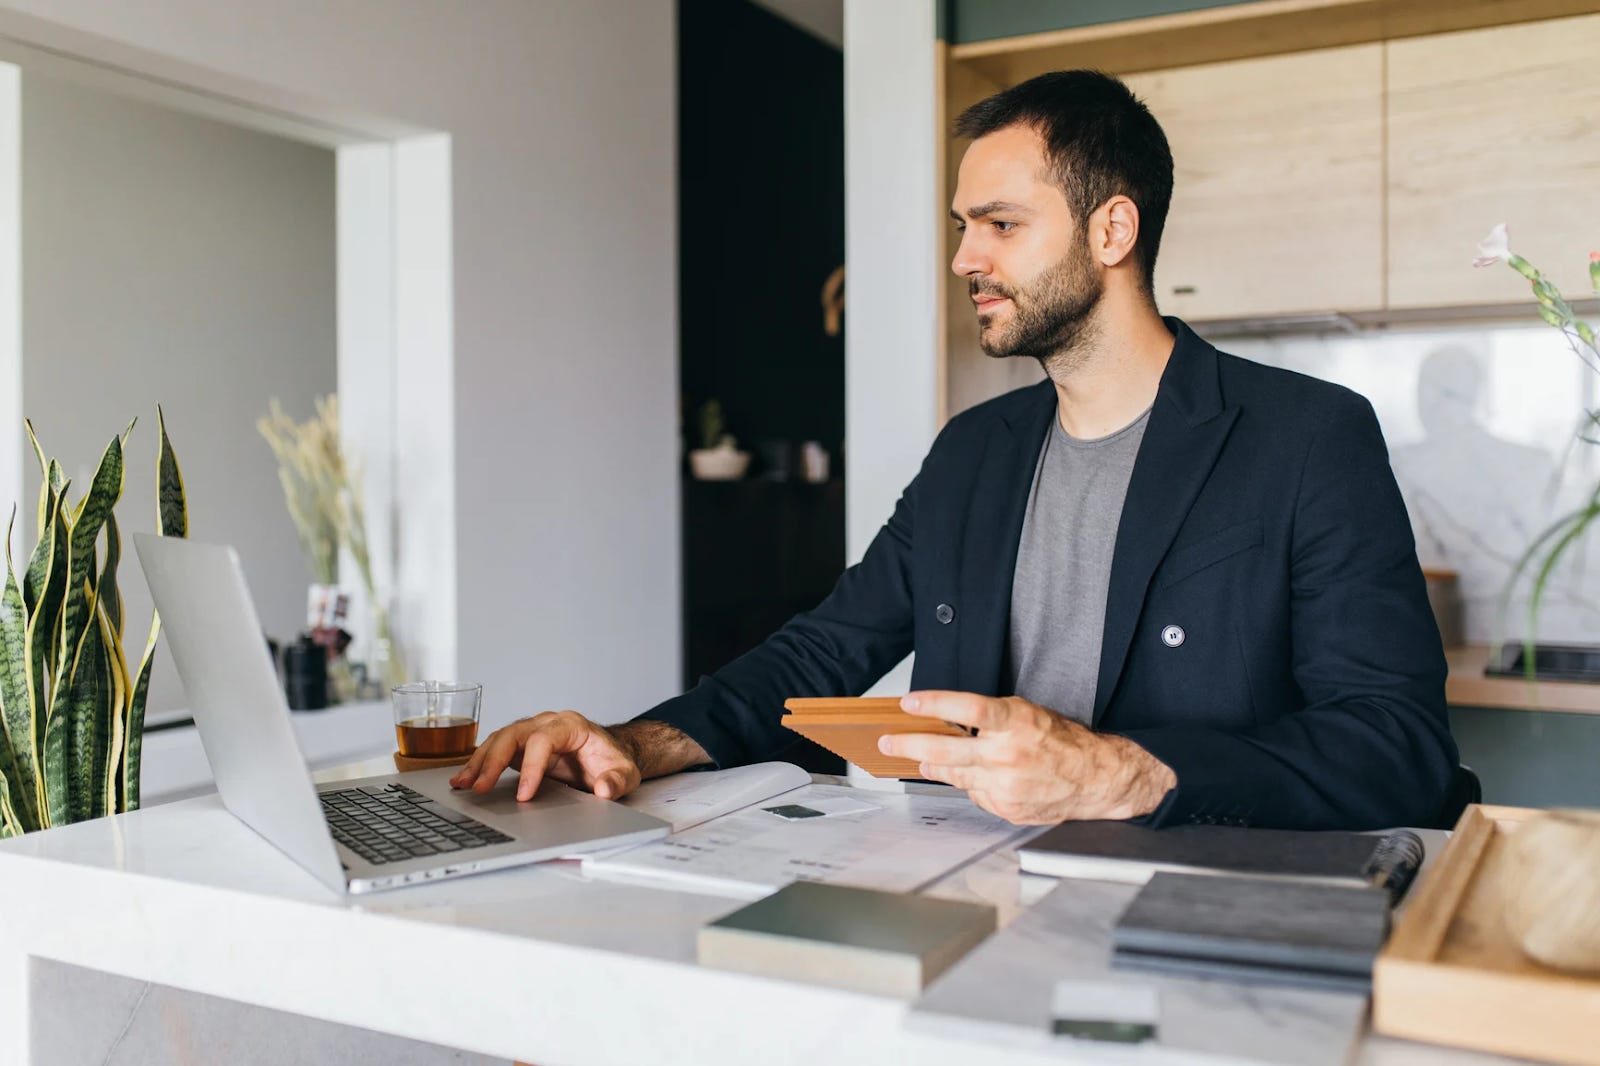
903,843
688,799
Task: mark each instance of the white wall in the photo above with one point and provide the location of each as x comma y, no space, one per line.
171,259
561,124
893,257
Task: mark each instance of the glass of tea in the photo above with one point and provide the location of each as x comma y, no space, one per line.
433,719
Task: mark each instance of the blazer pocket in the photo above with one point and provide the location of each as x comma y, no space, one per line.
1209,550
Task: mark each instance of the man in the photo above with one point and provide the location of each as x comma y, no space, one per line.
1165,583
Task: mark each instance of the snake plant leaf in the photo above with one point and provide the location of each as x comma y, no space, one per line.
107,592
16,704
77,609
114,707
53,485
38,449
172,509
172,516
133,739
81,703
38,569
44,471
53,768
47,577
10,824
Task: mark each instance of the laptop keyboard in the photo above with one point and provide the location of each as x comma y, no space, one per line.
392,823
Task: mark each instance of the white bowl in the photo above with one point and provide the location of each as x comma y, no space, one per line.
718,464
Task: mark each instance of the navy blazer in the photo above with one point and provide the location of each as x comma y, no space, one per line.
1261,519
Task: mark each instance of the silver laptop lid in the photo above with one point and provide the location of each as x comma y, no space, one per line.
216,640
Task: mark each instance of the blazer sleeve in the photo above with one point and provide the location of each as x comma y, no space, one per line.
840,648
1370,747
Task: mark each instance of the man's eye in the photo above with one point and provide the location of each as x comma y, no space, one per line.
961,227
1004,227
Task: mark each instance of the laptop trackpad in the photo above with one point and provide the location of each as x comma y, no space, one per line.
502,800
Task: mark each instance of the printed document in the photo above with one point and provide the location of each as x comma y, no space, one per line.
901,844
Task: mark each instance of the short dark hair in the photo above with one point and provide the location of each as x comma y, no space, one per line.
1101,141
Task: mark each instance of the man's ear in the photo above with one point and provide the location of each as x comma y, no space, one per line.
1114,231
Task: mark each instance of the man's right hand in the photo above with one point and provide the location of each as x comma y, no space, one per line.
575,751
563,744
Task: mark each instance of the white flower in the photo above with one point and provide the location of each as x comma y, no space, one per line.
1495,248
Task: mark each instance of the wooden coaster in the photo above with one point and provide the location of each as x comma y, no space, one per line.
405,763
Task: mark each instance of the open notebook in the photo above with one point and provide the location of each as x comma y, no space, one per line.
747,832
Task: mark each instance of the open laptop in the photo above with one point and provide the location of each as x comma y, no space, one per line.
356,836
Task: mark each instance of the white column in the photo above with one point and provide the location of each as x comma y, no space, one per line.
12,448
366,325
397,386
425,396
892,258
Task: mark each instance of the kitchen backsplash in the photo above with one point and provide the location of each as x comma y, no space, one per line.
1480,424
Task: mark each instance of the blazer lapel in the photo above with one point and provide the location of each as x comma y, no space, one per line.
1187,428
990,536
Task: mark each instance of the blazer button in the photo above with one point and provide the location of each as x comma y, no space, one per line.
945,614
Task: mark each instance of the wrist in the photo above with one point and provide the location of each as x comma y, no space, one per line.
1146,780
656,748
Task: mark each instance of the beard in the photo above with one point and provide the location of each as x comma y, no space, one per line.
1050,319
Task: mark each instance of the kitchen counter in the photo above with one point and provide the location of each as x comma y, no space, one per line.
1467,687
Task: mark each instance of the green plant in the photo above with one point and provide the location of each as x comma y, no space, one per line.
73,716
711,424
1541,557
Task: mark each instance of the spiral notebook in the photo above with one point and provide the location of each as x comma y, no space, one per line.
1121,851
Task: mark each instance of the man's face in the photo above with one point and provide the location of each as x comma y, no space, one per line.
1025,258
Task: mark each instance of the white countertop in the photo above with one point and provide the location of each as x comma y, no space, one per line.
538,964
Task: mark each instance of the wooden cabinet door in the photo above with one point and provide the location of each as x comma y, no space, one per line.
1487,126
1277,204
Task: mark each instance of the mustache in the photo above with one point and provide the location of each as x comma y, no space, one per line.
976,288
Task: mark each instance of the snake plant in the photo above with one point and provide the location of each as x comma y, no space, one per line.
71,710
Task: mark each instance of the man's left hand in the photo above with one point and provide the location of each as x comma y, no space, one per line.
1030,765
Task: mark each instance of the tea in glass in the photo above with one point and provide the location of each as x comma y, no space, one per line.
436,719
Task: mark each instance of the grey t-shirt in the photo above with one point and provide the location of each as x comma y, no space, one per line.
1058,591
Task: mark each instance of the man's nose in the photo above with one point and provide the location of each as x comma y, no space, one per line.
970,259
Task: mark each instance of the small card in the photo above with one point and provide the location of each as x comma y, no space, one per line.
820,808
1106,1011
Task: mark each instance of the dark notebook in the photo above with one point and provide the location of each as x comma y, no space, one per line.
1254,929
1120,851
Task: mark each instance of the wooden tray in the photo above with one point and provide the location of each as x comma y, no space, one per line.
1451,973
850,727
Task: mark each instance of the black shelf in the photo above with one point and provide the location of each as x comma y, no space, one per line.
755,554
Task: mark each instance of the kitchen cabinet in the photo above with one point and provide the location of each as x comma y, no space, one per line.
1486,126
1277,195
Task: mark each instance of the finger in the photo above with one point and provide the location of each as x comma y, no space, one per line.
962,708
963,777
928,747
469,771
556,737
501,748
537,753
